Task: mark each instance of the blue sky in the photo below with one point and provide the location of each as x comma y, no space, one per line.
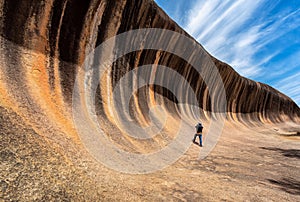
260,39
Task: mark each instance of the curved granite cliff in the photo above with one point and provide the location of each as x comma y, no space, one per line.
43,45
52,37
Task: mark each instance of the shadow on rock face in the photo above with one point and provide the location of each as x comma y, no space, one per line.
291,153
290,185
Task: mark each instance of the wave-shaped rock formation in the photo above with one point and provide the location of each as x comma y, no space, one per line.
43,46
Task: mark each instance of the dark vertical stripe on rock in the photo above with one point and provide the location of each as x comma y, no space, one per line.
69,43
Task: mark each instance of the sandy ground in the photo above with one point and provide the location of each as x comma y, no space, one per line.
248,164
258,164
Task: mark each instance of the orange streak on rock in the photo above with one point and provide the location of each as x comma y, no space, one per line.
50,102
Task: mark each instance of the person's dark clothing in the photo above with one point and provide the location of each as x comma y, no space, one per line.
199,129
200,138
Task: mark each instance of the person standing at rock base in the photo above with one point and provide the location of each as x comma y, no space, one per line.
199,129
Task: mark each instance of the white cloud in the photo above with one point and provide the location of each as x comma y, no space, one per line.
288,64
286,81
238,33
290,86
215,24
222,27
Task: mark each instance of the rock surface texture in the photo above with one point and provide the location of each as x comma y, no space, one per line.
43,46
